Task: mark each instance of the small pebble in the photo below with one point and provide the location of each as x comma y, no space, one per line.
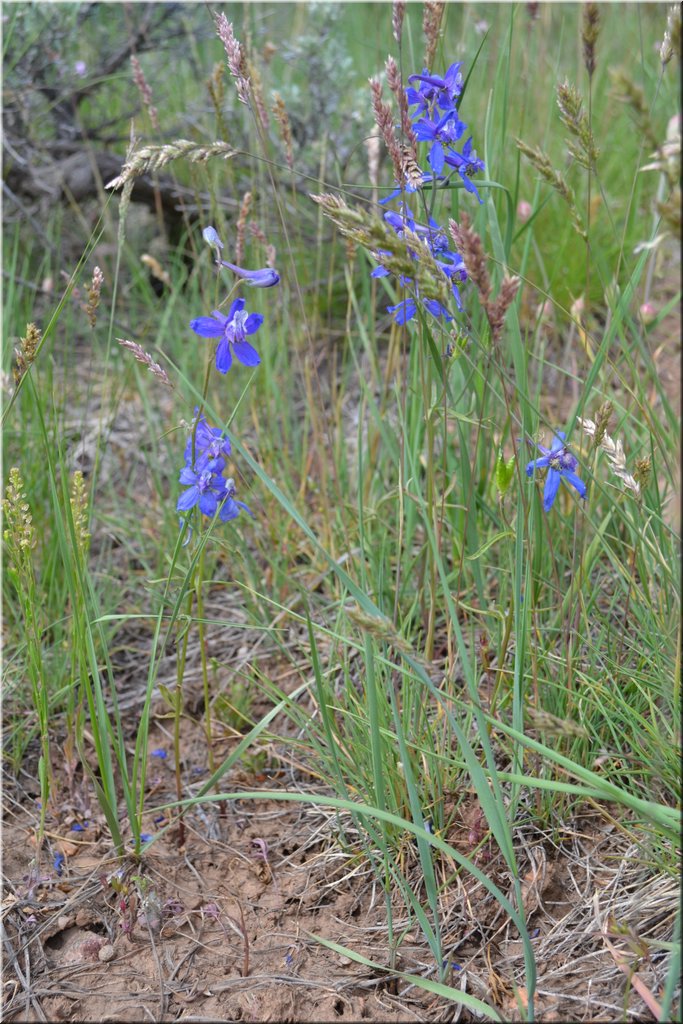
106,954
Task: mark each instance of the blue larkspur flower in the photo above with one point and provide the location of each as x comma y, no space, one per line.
210,236
403,311
210,444
435,90
266,277
561,465
206,487
466,164
230,508
232,330
442,134
203,489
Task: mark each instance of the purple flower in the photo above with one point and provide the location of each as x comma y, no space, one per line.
434,90
160,752
466,164
444,132
210,236
58,863
144,838
230,508
204,489
264,278
210,443
81,68
232,331
403,311
561,465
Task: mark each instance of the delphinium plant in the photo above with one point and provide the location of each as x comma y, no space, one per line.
209,495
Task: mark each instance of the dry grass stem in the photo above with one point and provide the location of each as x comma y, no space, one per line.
155,268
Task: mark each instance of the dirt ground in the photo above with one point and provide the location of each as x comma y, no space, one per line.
226,927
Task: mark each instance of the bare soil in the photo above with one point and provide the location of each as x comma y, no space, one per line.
225,927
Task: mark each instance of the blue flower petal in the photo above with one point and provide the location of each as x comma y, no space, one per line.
246,353
252,323
207,327
223,355
574,480
552,484
537,464
188,499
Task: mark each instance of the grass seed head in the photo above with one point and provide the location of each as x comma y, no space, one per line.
27,352
237,60
245,207
614,450
590,28
145,91
671,44
575,119
94,296
153,158
384,120
469,245
497,309
146,359
18,532
282,117
431,24
79,511
397,14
